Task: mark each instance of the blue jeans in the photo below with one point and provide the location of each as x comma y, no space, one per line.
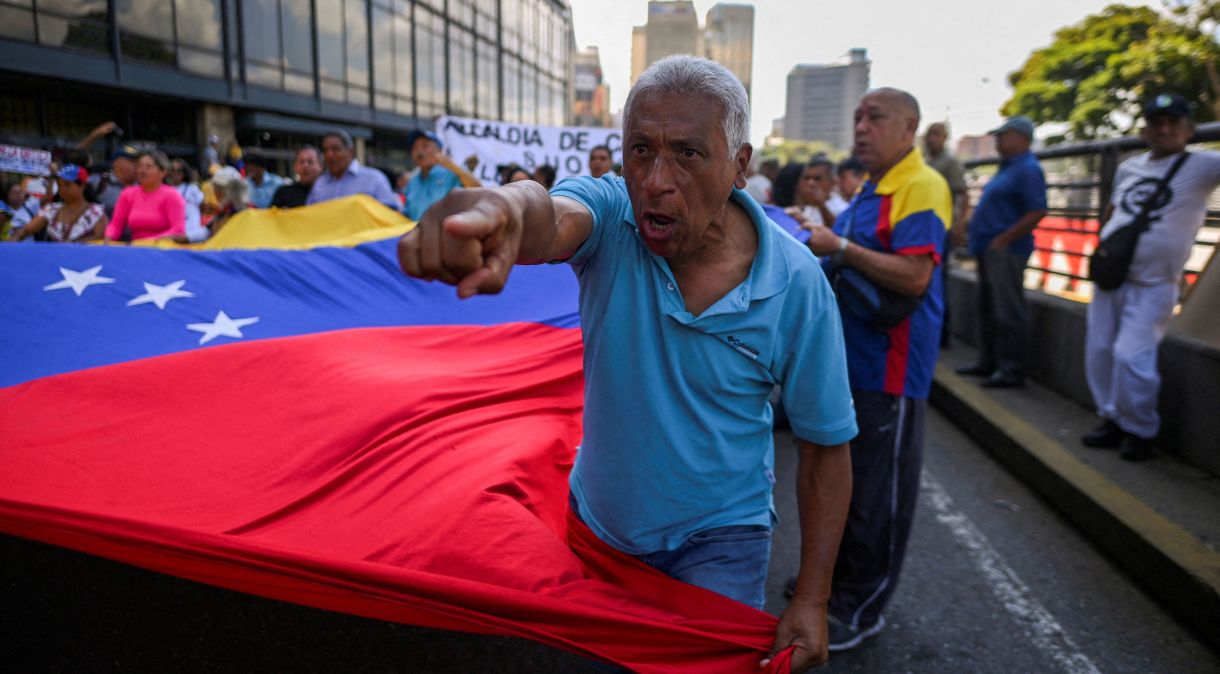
731,560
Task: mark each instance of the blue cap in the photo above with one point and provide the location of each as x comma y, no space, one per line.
1167,104
420,133
73,174
1021,124
126,152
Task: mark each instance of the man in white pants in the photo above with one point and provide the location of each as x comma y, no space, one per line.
1126,324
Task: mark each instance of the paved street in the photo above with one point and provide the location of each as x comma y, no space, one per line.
994,582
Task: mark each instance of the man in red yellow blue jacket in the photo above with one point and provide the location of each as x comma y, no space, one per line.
891,238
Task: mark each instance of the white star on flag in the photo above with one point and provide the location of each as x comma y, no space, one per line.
222,326
161,295
79,280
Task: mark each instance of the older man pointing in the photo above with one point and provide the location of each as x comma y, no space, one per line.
693,307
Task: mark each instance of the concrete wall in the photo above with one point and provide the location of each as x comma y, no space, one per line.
1190,369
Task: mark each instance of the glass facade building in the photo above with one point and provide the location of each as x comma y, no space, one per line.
273,73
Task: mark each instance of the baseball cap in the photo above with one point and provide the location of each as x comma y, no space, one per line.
1167,104
257,160
421,133
1021,124
126,152
73,174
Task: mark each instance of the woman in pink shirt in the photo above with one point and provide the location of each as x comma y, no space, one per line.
150,209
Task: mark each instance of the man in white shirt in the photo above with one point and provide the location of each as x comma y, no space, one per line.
1126,324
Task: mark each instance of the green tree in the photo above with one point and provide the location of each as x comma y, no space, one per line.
799,151
1096,72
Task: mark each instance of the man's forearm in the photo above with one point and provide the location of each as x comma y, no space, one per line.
468,179
1024,225
823,494
907,274
532,204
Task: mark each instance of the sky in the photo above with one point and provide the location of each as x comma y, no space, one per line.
953,55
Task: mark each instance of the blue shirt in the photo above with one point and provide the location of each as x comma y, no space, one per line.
260,195
677,420
905,213
423,191
356,179
1018,188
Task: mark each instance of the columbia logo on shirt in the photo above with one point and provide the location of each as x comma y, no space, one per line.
743,347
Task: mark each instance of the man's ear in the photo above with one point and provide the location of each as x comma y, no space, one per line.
743,165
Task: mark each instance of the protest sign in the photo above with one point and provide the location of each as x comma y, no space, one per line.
529,145
18,159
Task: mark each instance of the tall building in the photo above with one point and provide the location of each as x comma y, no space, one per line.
673,28
822,99
591,96
639,55
728,39
275,73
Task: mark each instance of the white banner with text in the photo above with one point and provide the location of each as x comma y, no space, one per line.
530,146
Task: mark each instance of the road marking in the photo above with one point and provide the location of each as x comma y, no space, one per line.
1038,624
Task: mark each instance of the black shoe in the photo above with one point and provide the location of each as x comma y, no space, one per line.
1135,448
844,637
1108,435
975,370
1002,379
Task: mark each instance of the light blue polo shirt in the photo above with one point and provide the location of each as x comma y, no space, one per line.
423,191
677,422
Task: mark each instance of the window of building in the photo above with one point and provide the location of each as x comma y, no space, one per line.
487,18
429,64
279,51
461,71
488,76
528,21
17,20
146,30
510,26
61,23
392,64
296,26
462,12
331,50
529,95
200,36
356,31
512,88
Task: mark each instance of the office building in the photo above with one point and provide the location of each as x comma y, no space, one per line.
728,39
591,96
673,28
822,100
275,73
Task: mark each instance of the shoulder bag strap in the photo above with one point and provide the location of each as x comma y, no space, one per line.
1146,207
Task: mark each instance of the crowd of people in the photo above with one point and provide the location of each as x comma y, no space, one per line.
143,194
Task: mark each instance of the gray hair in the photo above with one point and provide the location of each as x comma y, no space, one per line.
687,74
344,137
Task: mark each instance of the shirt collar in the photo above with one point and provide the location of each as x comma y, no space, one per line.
901,173
353,169
1016,158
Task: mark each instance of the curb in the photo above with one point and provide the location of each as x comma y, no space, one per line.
1173,566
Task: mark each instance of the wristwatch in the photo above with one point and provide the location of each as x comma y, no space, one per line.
838,257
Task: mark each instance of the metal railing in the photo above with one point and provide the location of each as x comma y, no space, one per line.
1080,180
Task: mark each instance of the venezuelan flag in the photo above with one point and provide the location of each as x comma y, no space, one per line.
280,411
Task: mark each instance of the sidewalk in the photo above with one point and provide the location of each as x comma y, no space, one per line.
1158,520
